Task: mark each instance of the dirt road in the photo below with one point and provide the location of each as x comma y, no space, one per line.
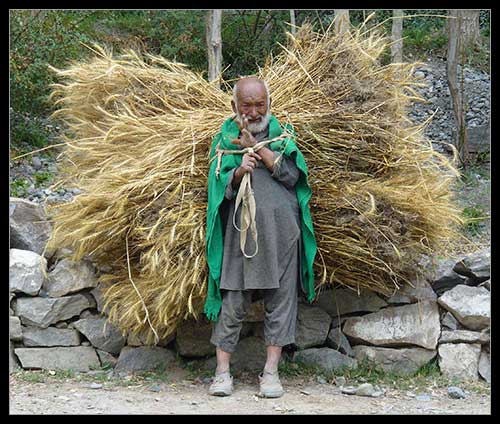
184,396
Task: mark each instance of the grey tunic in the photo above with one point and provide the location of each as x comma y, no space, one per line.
278,227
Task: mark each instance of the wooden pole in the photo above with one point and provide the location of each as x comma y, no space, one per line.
214,43
397,34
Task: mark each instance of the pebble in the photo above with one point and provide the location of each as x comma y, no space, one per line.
423,398
154,388
456,392
93,386
36,162
340,381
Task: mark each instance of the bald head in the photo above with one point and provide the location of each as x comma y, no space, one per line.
251,100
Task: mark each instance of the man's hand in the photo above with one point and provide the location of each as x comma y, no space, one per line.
246,139
248,164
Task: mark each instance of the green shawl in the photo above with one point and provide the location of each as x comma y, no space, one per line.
216,190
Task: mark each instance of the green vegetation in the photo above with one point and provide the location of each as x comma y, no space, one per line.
58,37
19,187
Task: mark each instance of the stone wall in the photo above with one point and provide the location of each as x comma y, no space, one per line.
57,322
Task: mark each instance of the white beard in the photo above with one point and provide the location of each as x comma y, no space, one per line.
257,127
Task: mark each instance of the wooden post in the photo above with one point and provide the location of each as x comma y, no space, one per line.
342,21
455,50
397,34
214,43
292,21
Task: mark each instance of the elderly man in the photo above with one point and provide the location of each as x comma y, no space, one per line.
260,238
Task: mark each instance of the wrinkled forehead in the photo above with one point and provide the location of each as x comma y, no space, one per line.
251,88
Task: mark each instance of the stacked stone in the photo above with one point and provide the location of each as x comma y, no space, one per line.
56,317
57,320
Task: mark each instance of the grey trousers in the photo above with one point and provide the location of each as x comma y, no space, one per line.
279,321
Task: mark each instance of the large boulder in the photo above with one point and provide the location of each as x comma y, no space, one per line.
193,338
341,301
249,355
50,337
101,334
26,271
29,227
69,277
402,361
471,306
143,358
325,358
42,311
313,324
78,358
459,361
416,324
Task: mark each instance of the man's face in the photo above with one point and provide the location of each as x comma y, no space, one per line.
252,102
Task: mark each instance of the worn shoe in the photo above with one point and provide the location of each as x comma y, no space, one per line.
222,385
270,385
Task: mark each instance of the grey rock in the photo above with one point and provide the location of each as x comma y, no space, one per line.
345,301
366,389
29,227
78,358
101,333
456,392
464,336
69,277
13,362
423,398
312,327
325,358
106,358
449,321
340,381
15,330
476,266
146,358
401,361
421,290
337,340
50,337
26,271
193,338
141,339
36,162
349,390
486,284
484,367
42,312
460,360
415,324
441,275
470,305
249,355
97,293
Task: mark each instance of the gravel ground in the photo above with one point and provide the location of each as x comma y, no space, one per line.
181,396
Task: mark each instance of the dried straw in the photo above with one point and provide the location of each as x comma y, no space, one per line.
141,129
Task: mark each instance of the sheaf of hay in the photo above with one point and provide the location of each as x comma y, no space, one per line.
141,129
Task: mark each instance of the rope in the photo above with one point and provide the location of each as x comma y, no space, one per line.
245,196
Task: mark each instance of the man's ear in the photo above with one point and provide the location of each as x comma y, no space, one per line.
234,107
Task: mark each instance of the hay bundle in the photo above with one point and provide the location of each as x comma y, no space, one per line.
141,129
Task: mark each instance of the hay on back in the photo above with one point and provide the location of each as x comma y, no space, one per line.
141,132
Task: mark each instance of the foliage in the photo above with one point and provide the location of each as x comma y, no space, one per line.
19,187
